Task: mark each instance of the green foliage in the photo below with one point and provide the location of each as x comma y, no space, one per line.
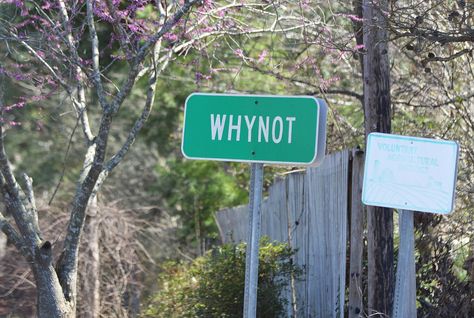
194,190
213,285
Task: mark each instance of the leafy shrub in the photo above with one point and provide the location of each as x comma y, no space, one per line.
213,285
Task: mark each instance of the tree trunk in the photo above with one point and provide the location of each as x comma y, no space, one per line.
356,305
91,279
50,298
377,118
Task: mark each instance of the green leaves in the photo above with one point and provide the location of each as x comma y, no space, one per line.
213,285
194,190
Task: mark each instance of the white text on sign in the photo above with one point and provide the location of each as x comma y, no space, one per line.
234,123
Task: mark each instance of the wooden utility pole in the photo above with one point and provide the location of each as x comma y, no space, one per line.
376,70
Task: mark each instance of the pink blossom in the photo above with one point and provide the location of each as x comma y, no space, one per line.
47,5
14,123
262,56
199,76
326,83
18,76
24,23
239,53
38,98
359,47
134,27
305,4
339,56
170,37
13,106
352,17
326,30
18,3
24,11
221,13
51,82
43,22
207,29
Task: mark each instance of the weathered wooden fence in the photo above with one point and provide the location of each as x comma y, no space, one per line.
310,210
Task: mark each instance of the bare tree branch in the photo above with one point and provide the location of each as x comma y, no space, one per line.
345,92
95,56
140,56
67,265
11,191
307,83
448,58
150,98
271,29
66,154
29,191
30,195
139,123
440,104
79,75
435,36
14,237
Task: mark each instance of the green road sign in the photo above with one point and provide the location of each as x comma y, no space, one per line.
255,128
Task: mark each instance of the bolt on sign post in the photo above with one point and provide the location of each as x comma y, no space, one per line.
409,174
257,129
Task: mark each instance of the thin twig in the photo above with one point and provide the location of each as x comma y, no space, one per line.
63,171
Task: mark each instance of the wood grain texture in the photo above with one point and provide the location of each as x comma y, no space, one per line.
377,118
297,226
327,211
355,306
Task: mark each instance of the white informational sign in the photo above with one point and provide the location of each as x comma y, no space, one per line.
410,173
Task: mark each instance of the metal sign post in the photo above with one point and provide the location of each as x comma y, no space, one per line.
404,304
251,259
